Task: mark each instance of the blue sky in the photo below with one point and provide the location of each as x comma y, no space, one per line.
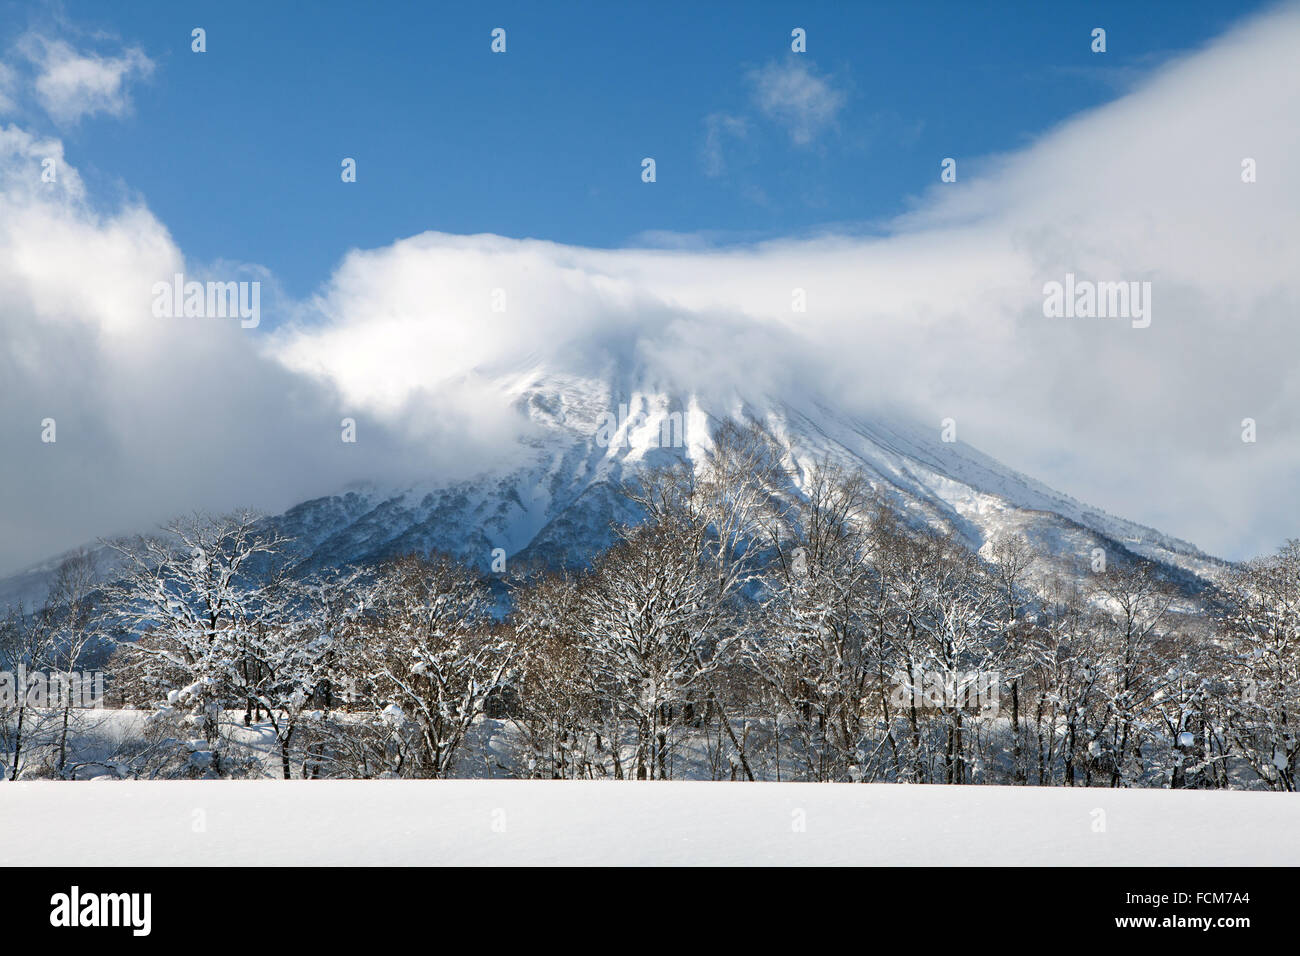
237,150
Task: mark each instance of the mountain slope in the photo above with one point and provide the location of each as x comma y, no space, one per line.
589,435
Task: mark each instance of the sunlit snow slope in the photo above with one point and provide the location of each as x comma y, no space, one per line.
558,506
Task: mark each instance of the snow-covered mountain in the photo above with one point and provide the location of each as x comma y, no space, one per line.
588,435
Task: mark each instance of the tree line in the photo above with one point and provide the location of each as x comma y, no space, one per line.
765,621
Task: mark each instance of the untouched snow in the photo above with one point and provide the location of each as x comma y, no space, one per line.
206,823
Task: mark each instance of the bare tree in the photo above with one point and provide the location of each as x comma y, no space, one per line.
200,592
27,649
429,655
644,626
1261,631
72,611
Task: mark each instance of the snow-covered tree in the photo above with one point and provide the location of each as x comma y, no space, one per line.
813,644
562,716
27,647
1261,634
427,657
202,594
1135,603
73,614
645,613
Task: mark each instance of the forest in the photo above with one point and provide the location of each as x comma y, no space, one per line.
764,621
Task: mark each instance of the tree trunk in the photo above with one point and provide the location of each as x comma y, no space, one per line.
18,743
284,753
63,740
1017,756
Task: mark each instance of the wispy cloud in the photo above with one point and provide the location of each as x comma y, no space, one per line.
72,84
8,86
788,92
718,129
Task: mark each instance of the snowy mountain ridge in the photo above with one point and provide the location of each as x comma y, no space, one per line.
588,435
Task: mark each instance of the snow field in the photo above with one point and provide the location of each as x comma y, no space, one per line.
496,822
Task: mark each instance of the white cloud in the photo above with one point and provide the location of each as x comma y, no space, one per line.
154,416
943,316
8,84
71,85
791,94
718,128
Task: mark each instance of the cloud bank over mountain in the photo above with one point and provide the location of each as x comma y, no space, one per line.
939,313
